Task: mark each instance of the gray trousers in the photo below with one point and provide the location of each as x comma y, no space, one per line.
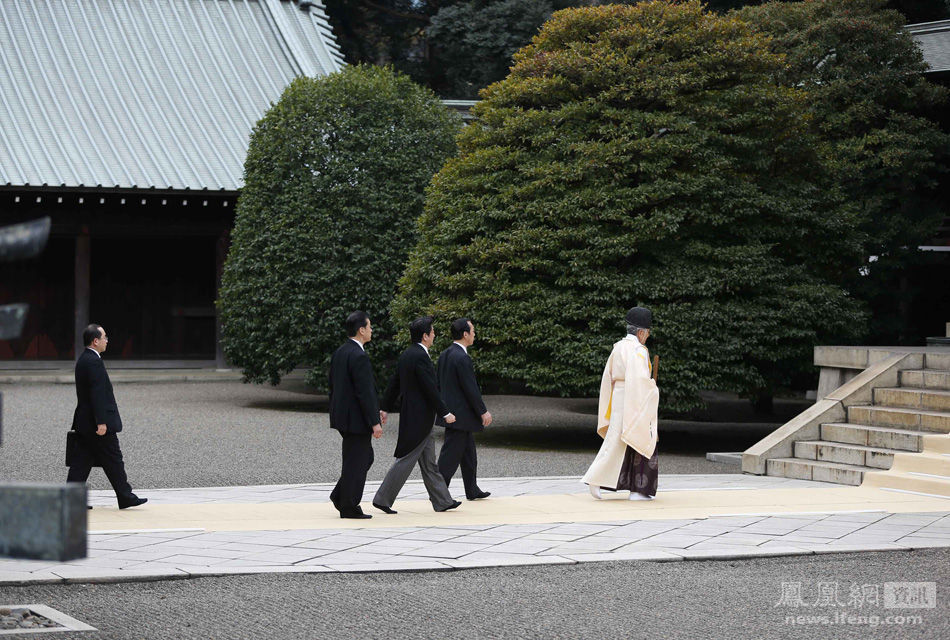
396,477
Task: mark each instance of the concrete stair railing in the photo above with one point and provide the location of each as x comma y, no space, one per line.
888,427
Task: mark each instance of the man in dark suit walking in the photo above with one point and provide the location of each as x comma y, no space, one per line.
414,382
464,399
96,421
354,412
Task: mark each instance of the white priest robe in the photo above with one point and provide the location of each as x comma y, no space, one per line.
626,412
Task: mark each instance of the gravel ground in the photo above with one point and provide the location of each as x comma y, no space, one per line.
724,599
218,434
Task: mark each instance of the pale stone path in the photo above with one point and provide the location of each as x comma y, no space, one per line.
292,528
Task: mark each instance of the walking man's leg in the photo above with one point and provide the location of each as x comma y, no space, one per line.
438,491
396,478
78,473
110,455
357,459
469,464
451,454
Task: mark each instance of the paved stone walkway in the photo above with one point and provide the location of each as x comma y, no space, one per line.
117,555
414,489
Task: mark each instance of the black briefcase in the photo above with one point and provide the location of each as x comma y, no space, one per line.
76,454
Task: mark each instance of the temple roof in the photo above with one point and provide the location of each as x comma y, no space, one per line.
934,41
140,94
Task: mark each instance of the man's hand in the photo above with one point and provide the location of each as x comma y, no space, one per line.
486,419
449,418
101,430
377,431
382,417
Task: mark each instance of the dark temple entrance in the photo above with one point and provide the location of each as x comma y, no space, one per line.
155,297
146,268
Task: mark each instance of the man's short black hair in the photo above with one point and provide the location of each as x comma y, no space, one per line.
420,327
90,333
459,327
356,321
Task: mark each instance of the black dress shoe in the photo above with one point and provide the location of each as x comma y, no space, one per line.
134,502
455,504
356,516
479,496
384,509
89,506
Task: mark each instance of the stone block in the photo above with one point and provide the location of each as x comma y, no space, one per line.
912,378
838,475
935,400
841,357
894,439
887,417
909,398
937,380
879,459
842,454
43,521
806,450
790,469
935,422
939,361
845,433
859,415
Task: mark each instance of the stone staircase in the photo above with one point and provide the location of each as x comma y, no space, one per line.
897,438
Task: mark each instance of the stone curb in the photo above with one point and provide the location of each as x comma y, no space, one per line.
422,565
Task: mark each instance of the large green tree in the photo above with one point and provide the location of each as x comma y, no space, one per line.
871,110
474,41
334,181
637,154
457,47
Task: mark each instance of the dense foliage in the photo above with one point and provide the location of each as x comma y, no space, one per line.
456,47
334,181
872,112
638,155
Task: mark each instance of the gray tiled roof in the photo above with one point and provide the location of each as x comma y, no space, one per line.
934,41
146,93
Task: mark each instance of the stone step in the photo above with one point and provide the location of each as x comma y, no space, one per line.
935,421
853,454
925,379
914,482
913,398
871,436
940,361
836,472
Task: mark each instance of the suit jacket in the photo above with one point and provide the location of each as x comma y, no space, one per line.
354,407
414,381
460,390
95,399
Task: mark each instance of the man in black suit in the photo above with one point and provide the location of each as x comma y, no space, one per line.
354,412
97,421
464,399
414,381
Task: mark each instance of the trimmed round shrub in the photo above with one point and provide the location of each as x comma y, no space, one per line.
334,181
